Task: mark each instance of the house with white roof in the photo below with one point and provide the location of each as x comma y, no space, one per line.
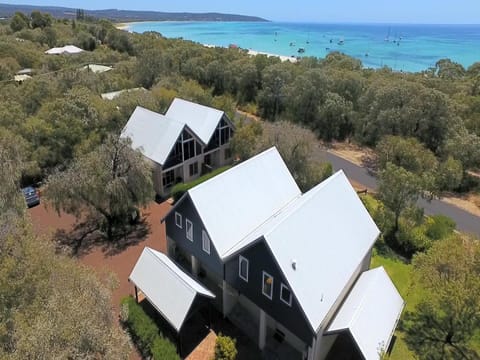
188,140
67,49
289,268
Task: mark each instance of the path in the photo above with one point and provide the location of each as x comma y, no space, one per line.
466,222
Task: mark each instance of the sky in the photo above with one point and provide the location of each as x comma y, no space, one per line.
365,11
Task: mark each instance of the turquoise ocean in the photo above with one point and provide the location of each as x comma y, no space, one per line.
401,47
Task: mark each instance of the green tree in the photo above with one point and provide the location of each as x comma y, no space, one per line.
465,147
443,325
39,20
305,94
296,145
398,189
335,118
272,97
449,174
12,163
245,139
408,153
110,182
447,69
19,22
50,306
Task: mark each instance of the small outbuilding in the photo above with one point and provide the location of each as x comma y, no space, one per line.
67,49
171,291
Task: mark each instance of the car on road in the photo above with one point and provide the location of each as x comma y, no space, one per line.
31,196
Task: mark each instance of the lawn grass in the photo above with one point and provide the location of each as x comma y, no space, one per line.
401,274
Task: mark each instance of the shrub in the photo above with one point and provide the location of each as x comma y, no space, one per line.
440,227
145,333
163,349
225,348
181,188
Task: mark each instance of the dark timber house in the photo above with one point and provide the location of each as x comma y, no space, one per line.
289,268
190,139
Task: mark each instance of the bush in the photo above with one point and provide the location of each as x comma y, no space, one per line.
145,333
440,227
181,188
225,348
163,349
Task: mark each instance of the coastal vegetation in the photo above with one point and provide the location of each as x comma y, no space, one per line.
56,129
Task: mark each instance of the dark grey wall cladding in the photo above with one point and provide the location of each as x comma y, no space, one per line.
211,262
261,259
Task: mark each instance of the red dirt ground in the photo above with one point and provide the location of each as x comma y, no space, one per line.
46,222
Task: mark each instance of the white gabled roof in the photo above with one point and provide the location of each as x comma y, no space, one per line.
114,94
69,49
152,133
21,77
170,290
327,232
236,202
370,312
203,120
97,69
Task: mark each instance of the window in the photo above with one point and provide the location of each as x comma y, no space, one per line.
205,242
193,168
178,219
243,268
168,178
286,295
267,285
189,229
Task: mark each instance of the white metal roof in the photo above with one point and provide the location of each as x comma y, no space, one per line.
97,69
152,133
69,49
21,77
203,120
170,290
370,312
236,202
114,94
327,232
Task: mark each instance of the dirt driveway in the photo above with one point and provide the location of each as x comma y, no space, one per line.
107,258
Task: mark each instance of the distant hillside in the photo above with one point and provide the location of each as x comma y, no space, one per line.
7,10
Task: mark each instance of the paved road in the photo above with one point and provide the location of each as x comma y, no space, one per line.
465,221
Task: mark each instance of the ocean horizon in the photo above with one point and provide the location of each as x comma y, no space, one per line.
402,47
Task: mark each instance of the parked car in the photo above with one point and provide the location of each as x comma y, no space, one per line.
31,196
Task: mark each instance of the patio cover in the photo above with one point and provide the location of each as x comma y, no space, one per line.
170,290
370,313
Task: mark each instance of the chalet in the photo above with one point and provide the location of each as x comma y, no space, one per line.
289,268
188,140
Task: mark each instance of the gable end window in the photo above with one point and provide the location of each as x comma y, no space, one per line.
189,229
178,219
286,295
243,268
267,285
205,242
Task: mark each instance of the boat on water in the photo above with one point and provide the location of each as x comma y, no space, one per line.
341,41
292,44
301,50
387,38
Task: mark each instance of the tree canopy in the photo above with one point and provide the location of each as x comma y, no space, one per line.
109,183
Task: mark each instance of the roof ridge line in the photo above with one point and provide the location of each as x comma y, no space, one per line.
309,196
266,220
